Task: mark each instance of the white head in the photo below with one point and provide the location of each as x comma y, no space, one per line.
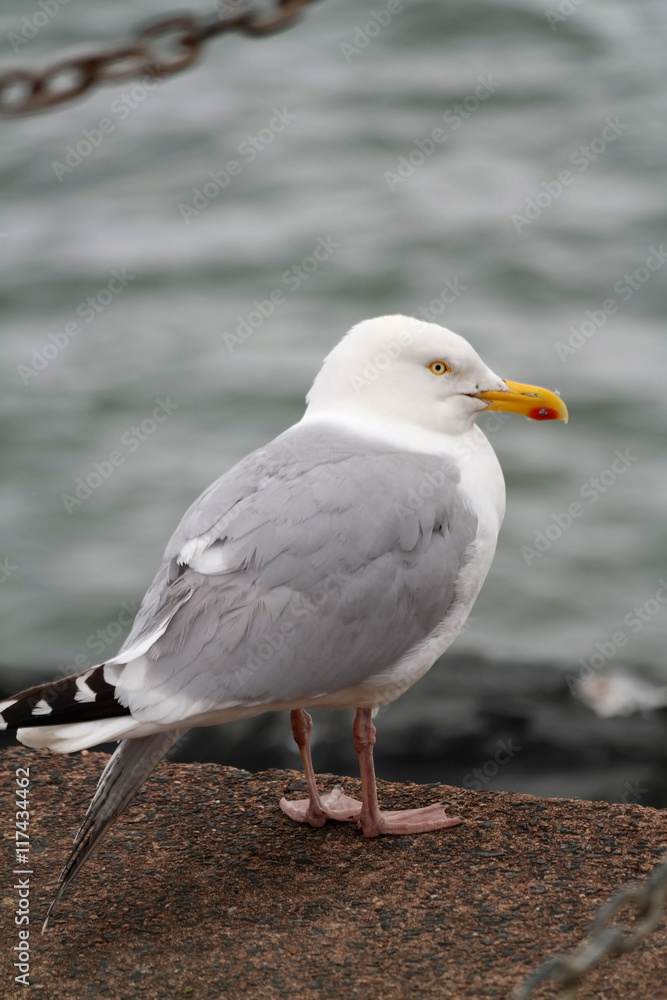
403,369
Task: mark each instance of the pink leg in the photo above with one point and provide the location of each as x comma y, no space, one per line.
316,809
372,820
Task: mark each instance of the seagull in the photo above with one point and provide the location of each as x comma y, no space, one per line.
330,568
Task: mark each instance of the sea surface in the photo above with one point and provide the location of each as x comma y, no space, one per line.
499,164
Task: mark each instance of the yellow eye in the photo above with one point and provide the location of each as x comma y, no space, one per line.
439,367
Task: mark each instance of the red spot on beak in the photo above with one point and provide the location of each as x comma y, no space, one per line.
544,413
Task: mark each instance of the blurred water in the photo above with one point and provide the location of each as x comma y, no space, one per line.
518,289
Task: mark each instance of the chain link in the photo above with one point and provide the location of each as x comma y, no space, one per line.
24,91
607,937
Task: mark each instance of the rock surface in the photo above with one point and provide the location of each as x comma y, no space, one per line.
205,890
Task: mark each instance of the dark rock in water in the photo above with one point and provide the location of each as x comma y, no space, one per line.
470,722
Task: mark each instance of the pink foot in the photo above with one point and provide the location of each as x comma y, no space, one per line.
406,821
334,805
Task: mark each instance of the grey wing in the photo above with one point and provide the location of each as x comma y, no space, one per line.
312,565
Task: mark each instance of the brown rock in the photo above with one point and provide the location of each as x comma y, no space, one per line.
204,889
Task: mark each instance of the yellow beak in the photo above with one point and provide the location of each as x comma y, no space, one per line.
528,400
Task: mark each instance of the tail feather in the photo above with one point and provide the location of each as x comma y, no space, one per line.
84,697
125,773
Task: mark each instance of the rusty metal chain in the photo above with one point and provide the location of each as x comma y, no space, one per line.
607,937
25,91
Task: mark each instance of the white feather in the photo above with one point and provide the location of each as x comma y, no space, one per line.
84,693
139,648
42,708
194,547
213,560
79,735
3,706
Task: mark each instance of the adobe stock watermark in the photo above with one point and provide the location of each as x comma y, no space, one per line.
625,287
451,290
581,159
21,886
389,351
248,149
633,793
604,652
415,499
364,34
33,23
130,441
454,117
92,138
7,569
481,776
146,764
565,9
300,608
99,641
228,8
469,623
88,310
292,279
592,490
488,423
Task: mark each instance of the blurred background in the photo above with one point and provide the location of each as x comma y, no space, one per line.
137,273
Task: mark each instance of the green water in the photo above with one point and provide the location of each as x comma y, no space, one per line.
325,137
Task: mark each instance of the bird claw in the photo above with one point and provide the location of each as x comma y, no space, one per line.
335,805
340,808
406,821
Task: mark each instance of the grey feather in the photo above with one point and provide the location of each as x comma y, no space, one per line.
341,555
126,771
